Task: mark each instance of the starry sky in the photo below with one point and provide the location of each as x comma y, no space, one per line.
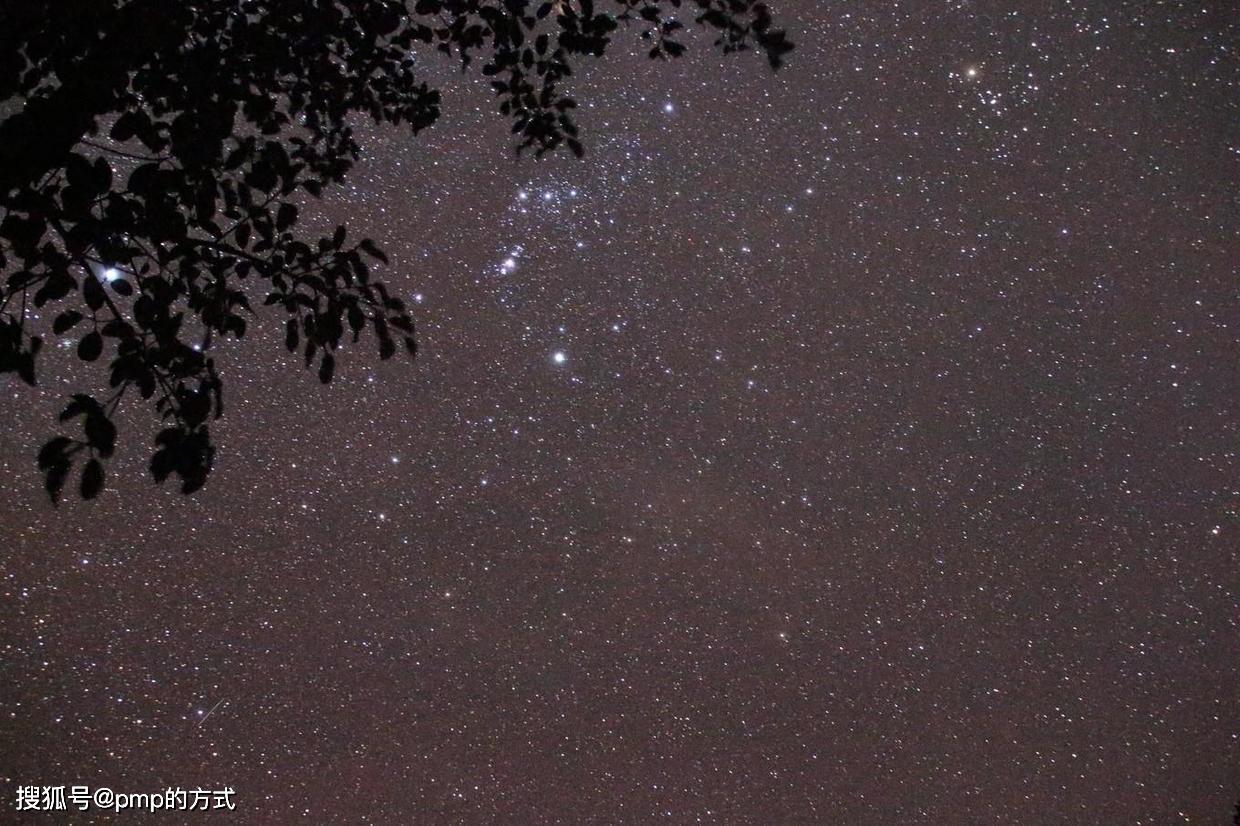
856,443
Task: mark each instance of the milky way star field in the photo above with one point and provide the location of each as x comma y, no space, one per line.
855,443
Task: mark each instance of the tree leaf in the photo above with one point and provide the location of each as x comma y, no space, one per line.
53,451
92,479
54,480
92,292
90,347
66,320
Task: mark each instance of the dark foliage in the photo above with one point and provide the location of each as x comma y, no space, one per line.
154,153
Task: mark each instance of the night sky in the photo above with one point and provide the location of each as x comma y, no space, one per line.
852,444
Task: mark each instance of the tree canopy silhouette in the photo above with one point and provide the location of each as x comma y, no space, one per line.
154,153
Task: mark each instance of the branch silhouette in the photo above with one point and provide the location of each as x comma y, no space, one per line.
154,154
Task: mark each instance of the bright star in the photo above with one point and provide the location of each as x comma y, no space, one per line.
559,357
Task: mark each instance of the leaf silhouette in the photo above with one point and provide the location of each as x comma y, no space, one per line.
92,479
90,347
66,320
